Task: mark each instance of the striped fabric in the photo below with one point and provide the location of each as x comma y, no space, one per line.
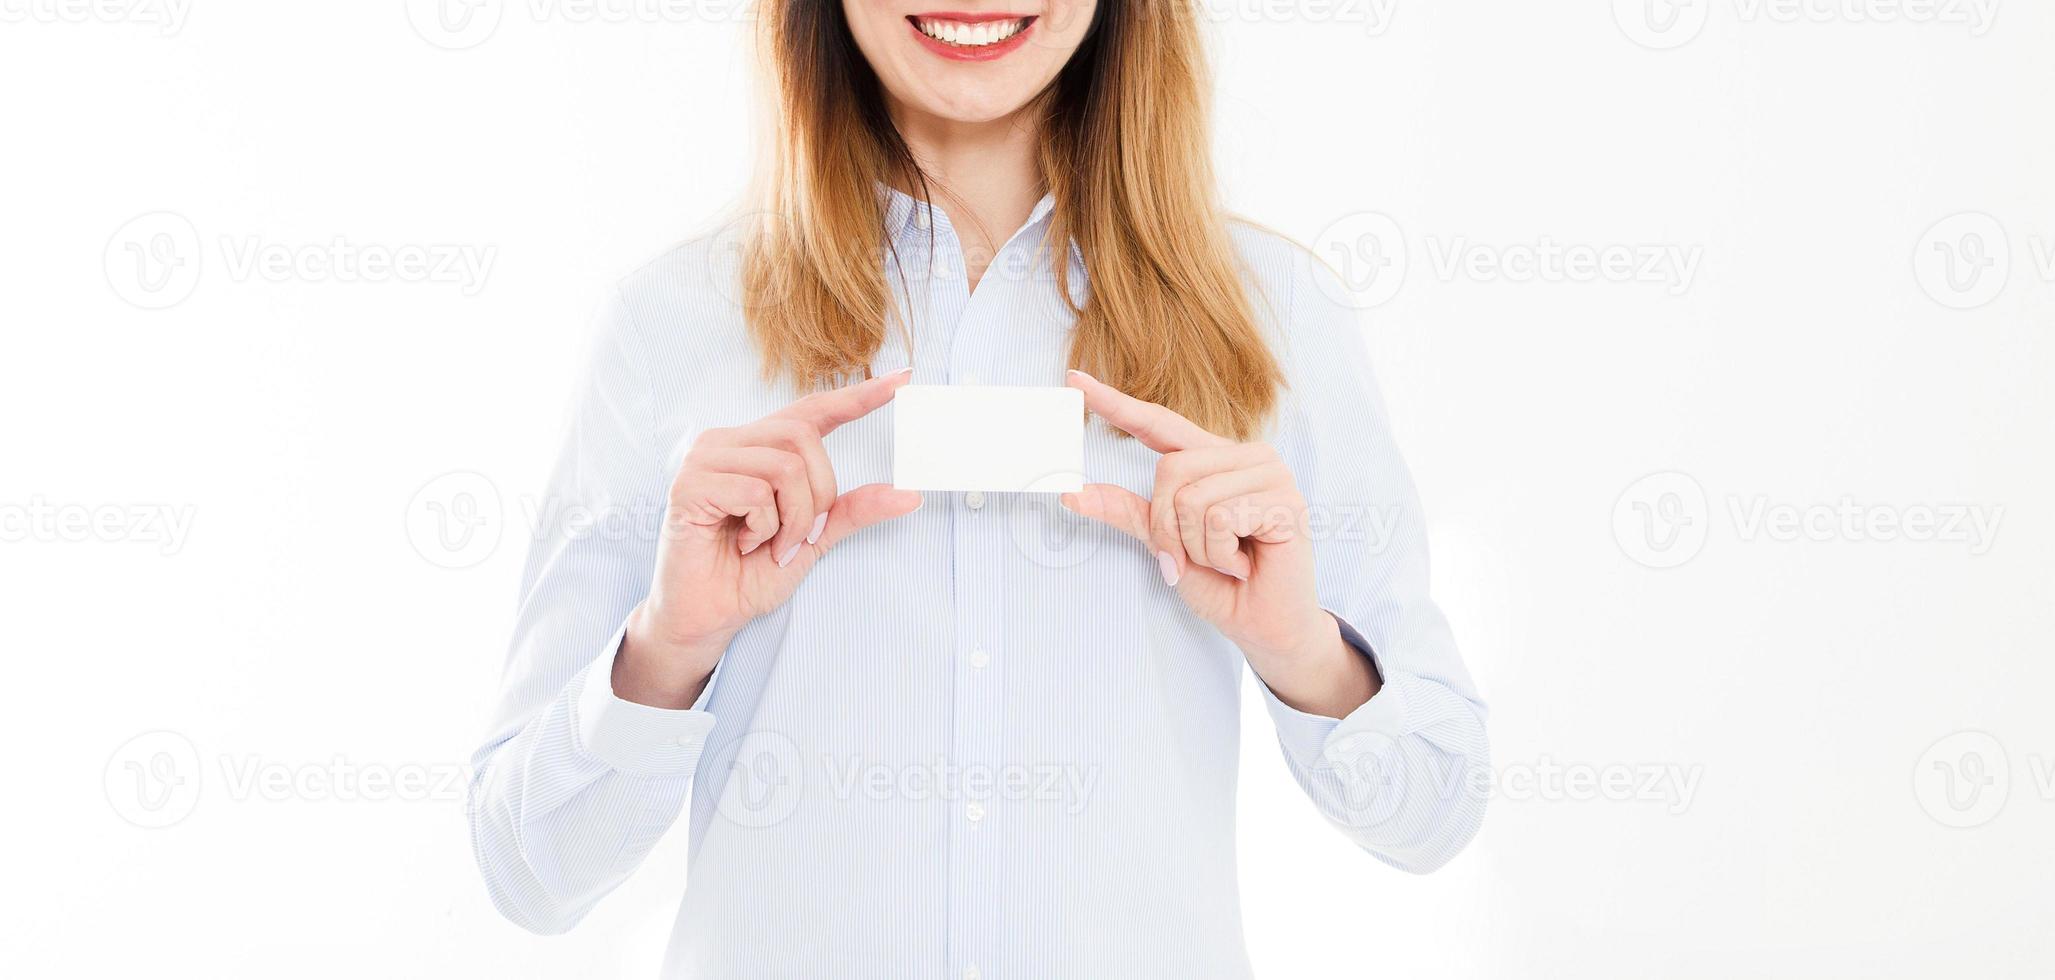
982,741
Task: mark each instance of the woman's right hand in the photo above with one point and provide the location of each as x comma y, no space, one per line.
751,511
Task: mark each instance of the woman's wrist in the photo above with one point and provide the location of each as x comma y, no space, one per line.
1319,672
663,670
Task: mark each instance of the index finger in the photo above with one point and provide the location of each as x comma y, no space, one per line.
1157,427
828,410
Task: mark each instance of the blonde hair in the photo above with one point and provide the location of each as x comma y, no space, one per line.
1126,156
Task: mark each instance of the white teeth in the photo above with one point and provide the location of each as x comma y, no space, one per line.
970,35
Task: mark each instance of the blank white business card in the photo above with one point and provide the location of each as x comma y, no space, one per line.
972,437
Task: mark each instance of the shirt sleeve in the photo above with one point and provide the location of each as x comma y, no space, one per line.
1404,775
573,786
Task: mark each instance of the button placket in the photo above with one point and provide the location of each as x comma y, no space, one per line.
982,547
979,717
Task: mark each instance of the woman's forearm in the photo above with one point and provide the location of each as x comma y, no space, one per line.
1325,676
661,673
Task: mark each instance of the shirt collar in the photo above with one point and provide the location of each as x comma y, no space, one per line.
905,216
907,219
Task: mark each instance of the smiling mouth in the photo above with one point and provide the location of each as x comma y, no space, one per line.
970,32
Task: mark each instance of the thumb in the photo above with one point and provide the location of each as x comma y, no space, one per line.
862,507
1117,507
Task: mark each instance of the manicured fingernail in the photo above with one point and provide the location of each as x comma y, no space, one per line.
752,546
820,524
1231,573
1169,567
893,374
1083,375
786,558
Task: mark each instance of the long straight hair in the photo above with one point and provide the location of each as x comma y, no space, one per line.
1126,156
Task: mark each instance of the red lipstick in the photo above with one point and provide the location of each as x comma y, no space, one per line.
970,52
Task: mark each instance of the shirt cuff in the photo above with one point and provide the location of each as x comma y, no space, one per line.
638,739
1315,741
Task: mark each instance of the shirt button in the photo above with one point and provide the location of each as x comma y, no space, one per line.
971,973
980,659
688,740
968,378
974,810
974,499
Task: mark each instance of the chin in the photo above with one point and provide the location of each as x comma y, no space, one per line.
968,66
975,112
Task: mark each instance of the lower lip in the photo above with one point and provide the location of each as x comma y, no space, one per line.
966,53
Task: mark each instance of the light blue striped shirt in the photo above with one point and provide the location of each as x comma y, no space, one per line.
984,740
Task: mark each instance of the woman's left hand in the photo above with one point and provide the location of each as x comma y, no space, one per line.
1229,531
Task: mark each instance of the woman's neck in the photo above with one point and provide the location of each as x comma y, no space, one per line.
985,176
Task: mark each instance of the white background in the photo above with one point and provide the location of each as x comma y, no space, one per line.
1637,639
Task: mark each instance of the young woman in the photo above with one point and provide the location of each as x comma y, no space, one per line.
976,735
